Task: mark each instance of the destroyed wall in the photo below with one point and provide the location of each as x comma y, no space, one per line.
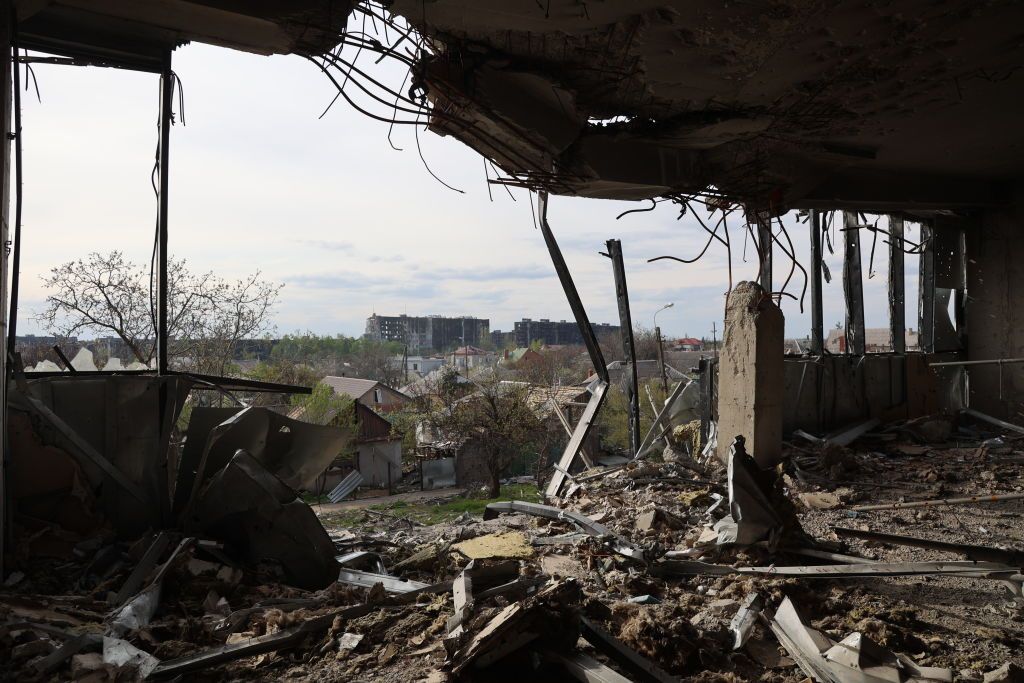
833,391
826,393
995,284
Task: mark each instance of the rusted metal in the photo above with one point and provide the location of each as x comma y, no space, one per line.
853,285
598,389
628,347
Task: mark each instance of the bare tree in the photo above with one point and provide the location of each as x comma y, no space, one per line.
207,315
552,367
376,361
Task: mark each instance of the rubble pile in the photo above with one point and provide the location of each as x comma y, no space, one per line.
651,570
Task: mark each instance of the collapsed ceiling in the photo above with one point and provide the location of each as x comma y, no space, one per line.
138,35
908,104
795,103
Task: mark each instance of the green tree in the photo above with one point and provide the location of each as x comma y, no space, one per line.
497,419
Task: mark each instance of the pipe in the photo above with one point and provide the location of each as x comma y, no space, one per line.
992,361
989,498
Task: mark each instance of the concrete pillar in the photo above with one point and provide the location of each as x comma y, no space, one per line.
995,308
750,375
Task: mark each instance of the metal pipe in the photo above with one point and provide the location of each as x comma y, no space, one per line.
991,361
990,498
661,350
166,100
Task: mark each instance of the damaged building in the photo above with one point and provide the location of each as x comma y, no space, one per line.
842,517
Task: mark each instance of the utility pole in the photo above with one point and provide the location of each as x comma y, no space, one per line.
661,362
714,338
661,351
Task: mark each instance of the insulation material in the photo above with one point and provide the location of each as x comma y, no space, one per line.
509,545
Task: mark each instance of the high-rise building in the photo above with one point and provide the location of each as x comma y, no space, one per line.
428,333
555,333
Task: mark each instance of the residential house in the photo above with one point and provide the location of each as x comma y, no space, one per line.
645,370
524,355
428,383
422,365
469,357
876,340
465,459
795,347
368,392
688,344
378,452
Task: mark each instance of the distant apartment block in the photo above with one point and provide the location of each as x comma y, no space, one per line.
428,333
555,333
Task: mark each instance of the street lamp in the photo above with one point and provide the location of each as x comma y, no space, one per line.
661,353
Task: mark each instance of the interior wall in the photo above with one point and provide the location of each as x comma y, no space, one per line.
825,394
834,391
995,308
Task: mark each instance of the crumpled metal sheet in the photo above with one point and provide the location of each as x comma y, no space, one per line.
293,451
855,659
752,517
259,518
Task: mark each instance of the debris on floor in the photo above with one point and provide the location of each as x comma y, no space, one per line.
648,571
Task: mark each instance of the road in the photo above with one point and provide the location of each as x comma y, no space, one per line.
410,497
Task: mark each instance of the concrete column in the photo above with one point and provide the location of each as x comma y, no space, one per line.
750,375
995,314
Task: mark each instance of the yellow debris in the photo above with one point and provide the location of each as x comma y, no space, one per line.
510,544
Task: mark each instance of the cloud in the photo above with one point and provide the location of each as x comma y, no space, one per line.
330,245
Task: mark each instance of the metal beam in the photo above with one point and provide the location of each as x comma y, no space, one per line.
579,435
15,270
6,28
897,295
626,329
166,102
765,242
980,553
569,287
598,391
817,317
853,285
926,299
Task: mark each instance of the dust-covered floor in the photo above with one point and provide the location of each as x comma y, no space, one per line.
547,578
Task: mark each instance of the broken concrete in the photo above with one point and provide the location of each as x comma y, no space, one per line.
750,375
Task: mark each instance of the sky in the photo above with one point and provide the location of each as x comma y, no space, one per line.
349,225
